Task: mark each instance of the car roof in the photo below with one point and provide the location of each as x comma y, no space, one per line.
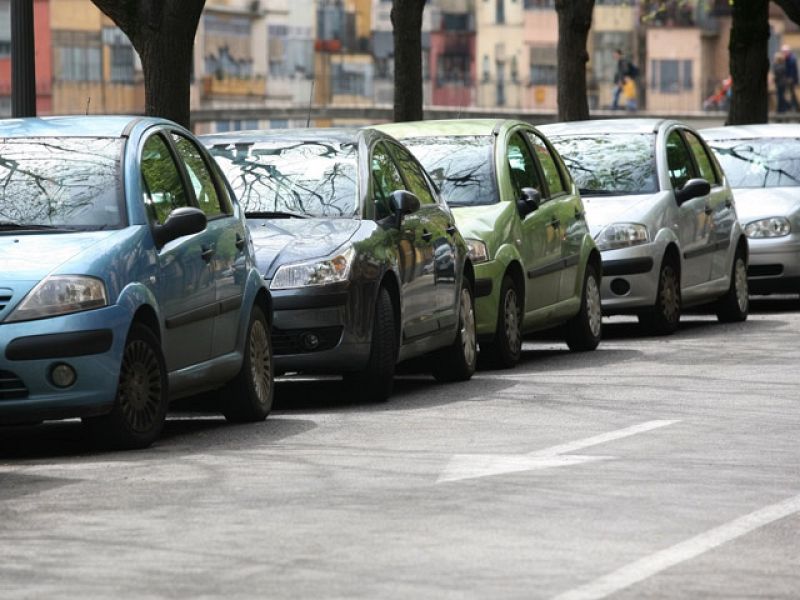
342,135
447,127
600,126
771,130
73,126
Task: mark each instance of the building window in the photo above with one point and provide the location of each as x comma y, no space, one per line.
352,79
538,4
671,76
453,69
5,27
79,64
121,55
544,65
500,11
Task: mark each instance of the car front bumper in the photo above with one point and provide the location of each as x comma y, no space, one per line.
91,343
774,265
630,279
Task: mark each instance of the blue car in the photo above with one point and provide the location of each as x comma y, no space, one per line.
127,279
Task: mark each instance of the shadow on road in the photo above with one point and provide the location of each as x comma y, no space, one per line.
774,304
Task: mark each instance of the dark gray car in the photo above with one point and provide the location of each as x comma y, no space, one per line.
364,262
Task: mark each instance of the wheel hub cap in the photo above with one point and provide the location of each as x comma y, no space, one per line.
468,336
593,306
511,312
140,386
260,362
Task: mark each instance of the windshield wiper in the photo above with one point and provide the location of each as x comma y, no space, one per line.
275,214
588,192
11,226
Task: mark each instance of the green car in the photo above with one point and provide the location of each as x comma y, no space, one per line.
536,265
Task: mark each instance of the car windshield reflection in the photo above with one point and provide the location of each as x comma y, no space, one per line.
760,163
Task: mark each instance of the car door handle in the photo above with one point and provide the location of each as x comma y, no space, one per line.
240,242
207,252
427,235
451,229
708,210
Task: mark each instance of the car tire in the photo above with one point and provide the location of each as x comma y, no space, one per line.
504,350
584,330
457,361
734,306
374,384
664,317
248,397
142,397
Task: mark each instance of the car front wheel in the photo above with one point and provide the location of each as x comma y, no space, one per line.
734,306
140,405
457,361
505,349
585,329
665,315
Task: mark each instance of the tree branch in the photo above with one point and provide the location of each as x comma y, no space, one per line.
791,8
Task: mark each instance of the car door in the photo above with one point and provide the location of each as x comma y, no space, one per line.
569,210
415,251
694,220
185,280
227,239
720,203
438,225
541,229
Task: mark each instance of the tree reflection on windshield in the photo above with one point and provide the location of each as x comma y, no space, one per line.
760,163
610,164
70,183
316,179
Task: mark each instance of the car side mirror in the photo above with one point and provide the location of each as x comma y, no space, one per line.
181,222
529,202
694,188
403,203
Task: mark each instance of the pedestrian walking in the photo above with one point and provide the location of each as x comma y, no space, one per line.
780,79
623,69
629,93
790,60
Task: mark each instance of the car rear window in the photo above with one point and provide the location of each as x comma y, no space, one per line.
610,164
70,183
759,163
461,166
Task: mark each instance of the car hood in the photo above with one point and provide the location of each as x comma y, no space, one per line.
604,210
30,257
758,203
282,241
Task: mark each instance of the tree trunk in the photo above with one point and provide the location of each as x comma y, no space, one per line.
162,32
407,25
574,21
749,63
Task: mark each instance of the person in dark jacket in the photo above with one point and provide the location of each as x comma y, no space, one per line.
624,69
790,60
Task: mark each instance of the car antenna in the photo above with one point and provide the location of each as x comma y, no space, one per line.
310,102
88,101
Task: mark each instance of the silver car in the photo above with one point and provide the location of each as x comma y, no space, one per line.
763,167
662,214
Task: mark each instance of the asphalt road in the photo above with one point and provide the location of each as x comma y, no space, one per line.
651,468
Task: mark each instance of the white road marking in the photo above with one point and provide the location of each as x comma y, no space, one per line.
471,466
655,563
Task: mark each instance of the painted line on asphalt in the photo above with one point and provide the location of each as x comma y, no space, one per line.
473,466
692,548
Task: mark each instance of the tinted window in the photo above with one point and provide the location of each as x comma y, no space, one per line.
701,157
385,180
460,166
551,172
760,163
521,166
313,178
679,161
610,164
417,183
163,188
61,182
204,190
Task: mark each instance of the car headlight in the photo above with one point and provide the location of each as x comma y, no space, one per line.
60,295
622,235
314,272
768,228
478,251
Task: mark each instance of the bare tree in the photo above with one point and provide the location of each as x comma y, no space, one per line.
407,25
162,32
574,21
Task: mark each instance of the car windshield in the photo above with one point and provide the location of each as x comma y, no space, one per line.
60,183
461,167
303,178
760,163
610,164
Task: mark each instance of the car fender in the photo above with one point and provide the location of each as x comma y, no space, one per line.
587,248
662,239
135,295
255,283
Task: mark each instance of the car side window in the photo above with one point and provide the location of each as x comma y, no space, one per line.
385,180
413,174
199,176
678,160
521,166
163,187
552,174
701,157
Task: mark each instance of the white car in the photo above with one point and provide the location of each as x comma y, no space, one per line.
763,167
662,214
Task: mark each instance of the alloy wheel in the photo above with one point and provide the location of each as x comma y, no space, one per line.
260,362
670,299
512,325
594,308
468,336
140,386
742,291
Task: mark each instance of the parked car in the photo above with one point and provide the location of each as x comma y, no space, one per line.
763,167
536,265
126,280
662,213
364,262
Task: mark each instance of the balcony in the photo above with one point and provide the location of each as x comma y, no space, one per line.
234,86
